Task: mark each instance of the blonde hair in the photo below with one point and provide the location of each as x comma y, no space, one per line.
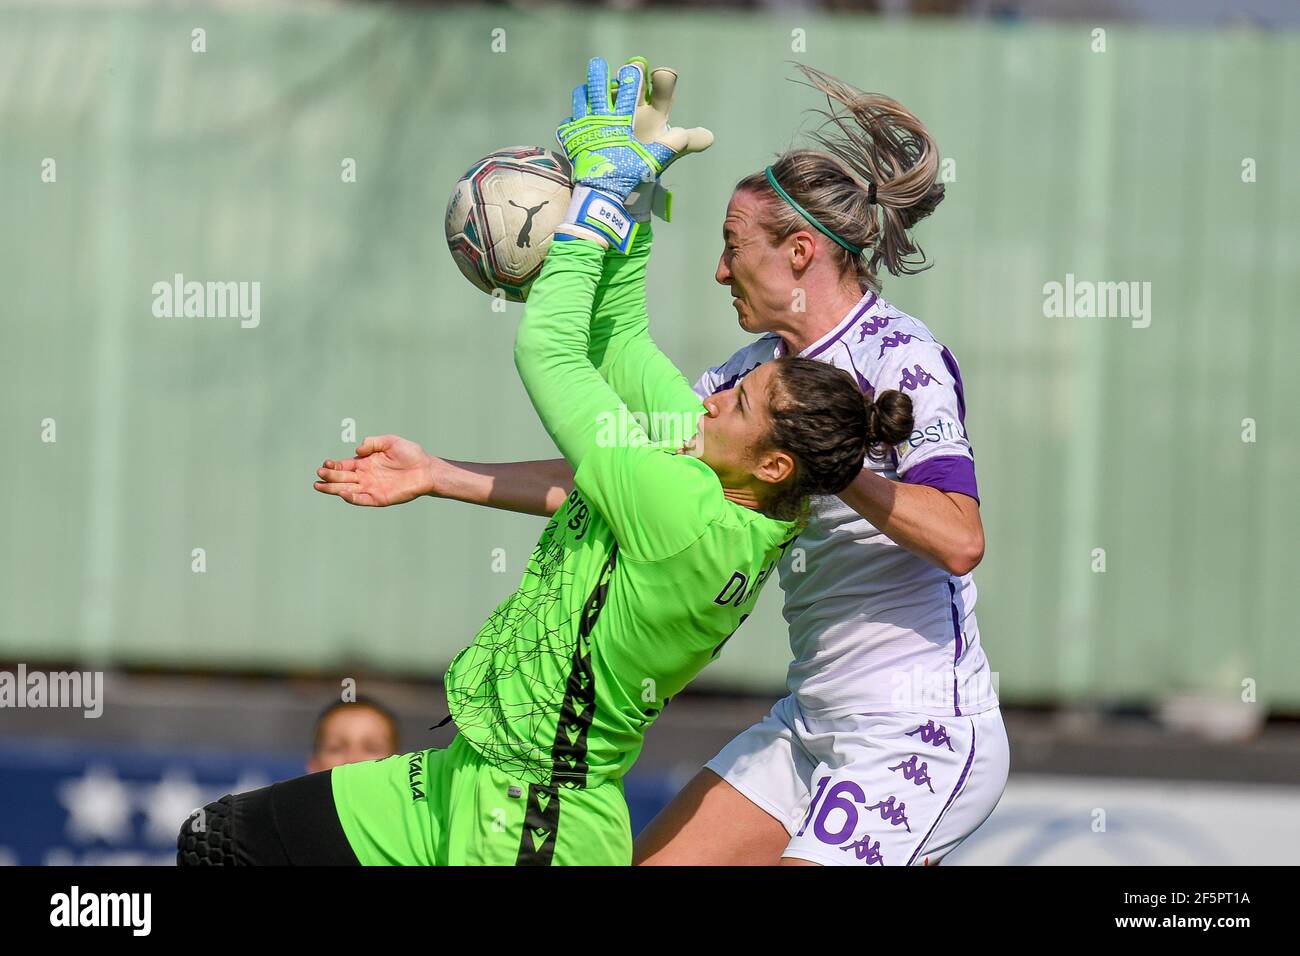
876,141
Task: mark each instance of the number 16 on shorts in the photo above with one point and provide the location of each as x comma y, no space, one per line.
904,792
833,817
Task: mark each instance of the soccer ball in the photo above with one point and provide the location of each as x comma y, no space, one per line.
501,216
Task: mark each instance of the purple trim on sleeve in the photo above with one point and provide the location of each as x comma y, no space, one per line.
947,473
951,364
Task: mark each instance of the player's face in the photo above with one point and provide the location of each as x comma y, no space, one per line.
755,271
734,429
351,735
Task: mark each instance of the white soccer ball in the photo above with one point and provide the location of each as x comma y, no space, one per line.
502,214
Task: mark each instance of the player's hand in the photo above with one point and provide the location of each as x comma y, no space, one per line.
597,138
618,136
610,162
387,470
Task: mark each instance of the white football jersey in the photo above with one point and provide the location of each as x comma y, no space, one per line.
874,627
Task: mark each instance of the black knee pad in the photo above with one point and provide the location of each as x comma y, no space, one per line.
207,836
291,823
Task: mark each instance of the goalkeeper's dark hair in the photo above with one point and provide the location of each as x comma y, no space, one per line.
875,141
824,421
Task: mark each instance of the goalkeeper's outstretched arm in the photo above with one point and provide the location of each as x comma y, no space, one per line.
527,487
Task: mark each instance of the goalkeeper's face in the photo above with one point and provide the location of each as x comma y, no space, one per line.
734,433
756,272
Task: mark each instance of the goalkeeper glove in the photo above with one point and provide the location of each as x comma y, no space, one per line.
609,161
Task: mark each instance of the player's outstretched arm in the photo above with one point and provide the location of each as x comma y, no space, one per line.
388,470
526,487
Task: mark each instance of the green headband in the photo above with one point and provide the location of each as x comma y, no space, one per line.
856,250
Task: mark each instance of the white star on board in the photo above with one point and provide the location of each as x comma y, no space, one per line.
168,802
98,805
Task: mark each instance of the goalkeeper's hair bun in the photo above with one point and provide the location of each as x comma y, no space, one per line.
821,417
889,422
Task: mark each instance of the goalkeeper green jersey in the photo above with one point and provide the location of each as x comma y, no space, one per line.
643,574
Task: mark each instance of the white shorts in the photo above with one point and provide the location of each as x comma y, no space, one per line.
888,789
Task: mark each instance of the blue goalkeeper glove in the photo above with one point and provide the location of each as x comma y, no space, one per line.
609,162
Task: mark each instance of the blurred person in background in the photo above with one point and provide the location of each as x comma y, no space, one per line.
352,731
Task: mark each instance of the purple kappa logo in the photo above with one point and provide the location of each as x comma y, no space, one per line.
866,851
893,342
872,326
894,815
936,738
911,772
914,378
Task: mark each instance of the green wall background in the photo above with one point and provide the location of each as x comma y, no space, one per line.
175,434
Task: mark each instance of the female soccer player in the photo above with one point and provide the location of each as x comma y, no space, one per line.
890,748
641,575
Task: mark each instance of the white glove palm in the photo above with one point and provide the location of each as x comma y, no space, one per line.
650,125
650,121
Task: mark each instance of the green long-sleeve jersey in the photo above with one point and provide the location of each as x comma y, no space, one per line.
646,569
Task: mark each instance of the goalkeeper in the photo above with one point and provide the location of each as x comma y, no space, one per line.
637,581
